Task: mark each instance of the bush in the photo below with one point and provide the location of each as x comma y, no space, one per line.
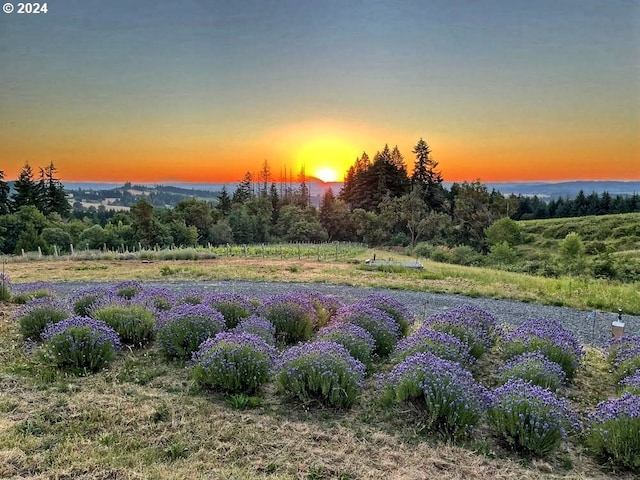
37,314
5,288
441,344
468,325
25,292
86,301
128,289
233,362
192,296
134,323
465,255
533,367
613,431
631,383
326,307
358,342
157,299
292,315
80,344
322,371
627,361
259,326
392,307
234,308
548,337
530,418
181,330
384,330
452,401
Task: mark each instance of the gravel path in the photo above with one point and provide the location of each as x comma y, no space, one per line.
589,330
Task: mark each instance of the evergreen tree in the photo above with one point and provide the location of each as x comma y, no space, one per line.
26,189
224,202
244,192
54,198
5,203
426,176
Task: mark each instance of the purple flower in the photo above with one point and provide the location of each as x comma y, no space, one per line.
193,296
392,307
442,344
631,383
533,367
158,299
465,325
233,307
38,313
323,371
626,407
358,342
127,289
293,316
531,418
384,330
259,326
100,331
87,300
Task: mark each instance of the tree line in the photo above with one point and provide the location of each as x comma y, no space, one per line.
380,203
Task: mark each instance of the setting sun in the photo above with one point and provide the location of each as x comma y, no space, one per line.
327,174
326,157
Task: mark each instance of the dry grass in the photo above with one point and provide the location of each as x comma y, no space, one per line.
143,418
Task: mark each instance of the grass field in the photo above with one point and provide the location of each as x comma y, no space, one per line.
144,417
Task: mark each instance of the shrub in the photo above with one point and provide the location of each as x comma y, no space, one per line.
631,383
530,418
548,337
392,307
533,367
157,299
619,345
234,308
465,255
627,361
37,314
233,362
441,344
80,344
292,315
85,301
181,330
322,371
452,401
128,289
463,325
259,326
384,330
326,307
5,288
25,292
613,431
358,342
134,323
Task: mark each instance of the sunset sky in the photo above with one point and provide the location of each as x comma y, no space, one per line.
203,91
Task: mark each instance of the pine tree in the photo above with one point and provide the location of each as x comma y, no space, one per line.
26,189
5,203
244,192
224,202
426,176
54,198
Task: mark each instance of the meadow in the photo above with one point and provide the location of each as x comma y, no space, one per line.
146,417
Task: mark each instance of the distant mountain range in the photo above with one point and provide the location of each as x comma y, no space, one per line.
545,190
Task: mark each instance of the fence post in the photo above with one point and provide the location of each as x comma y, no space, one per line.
263,250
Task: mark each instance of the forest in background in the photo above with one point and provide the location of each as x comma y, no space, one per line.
379,204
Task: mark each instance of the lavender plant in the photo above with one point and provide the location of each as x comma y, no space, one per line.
467,328
193,296
451,400
530,418
631,383
181,330
23,293
548,337
325,306
619,345
358,342
441,344
535,368
613,431
85,301
37,314
134,323
626,361
259,326
127,289
157,299
233,362
392,307
80,344
292,315
384,330
234,308
321,371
